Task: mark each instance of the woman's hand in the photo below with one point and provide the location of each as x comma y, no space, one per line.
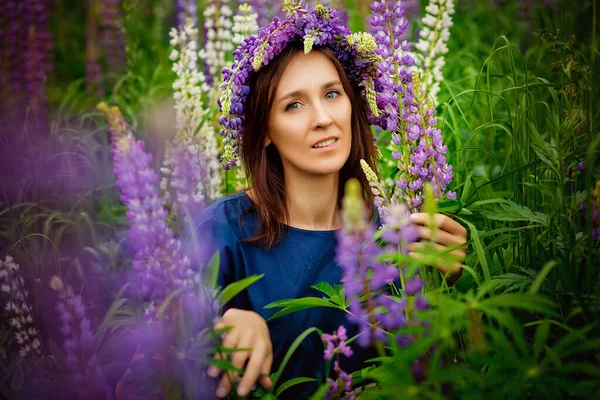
248,331
447,234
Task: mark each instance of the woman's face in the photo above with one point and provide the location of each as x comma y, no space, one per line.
310,119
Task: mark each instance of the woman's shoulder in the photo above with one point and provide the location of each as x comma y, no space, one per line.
225,214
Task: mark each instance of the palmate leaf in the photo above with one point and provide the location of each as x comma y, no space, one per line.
510,211
335,294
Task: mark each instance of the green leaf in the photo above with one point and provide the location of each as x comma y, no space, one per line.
539,339
325,288
541,276
321,391
236,287
293,305
449,206
511,211
293,382
212,269
290,352
481,254
528,302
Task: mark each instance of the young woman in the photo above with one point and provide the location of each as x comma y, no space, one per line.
305,130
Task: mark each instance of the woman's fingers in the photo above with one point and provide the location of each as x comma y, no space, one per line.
224,386
441,221
265,379
229,342
442,237
238,359
253,369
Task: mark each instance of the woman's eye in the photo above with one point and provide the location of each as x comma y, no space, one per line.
293,106
332,94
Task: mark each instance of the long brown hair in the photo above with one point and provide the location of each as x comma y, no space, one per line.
263,164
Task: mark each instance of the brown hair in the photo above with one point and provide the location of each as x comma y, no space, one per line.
263,164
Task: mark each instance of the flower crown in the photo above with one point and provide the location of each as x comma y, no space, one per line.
315,26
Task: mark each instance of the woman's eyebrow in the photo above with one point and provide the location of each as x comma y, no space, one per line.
297,93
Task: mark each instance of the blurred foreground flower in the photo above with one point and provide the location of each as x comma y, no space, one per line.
161,265
86,374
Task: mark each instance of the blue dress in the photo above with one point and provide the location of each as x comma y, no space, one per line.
302,259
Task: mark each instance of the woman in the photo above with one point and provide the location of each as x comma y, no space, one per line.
305,130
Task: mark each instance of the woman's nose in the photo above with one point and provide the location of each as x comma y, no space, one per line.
321,116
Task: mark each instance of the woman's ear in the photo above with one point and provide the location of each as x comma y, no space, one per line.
267,141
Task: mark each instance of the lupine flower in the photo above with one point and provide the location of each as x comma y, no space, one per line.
261,7
389,24
191,168
15,39
217,25
411,13
363,272
159,261
113,39
432,44
38,56
336,345
186,10
93,69
420,150
18,310
244,24
378,189
86,374
318,26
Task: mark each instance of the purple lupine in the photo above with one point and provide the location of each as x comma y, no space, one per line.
318,26
93,69
184,10
161,265
411,121
113,39
364,272
87,376
336,345
38,56
411,13
16,39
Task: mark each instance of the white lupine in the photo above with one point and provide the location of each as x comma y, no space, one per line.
17,309
217,25
191,168
245,24
432,44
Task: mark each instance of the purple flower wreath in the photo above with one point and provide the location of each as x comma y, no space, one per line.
314,26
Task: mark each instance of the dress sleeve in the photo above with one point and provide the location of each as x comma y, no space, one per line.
211,234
